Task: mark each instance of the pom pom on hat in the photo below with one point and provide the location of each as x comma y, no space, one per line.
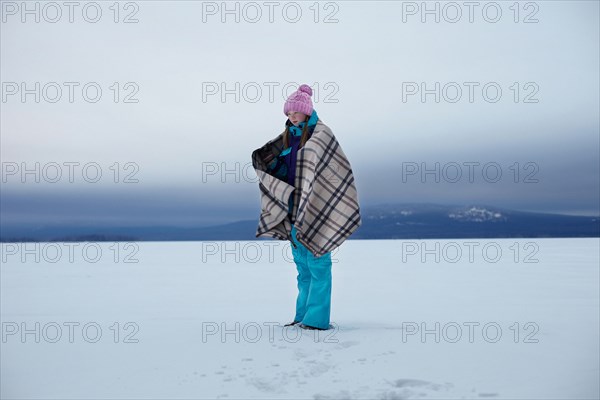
306,89
300,101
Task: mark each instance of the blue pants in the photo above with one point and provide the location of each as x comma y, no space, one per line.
313,305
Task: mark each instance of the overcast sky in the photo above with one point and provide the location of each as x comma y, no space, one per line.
163,109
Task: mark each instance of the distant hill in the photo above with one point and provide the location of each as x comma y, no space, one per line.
384,221
425,221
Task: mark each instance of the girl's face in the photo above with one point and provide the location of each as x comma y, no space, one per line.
296,117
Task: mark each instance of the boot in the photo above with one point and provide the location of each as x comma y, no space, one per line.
312,328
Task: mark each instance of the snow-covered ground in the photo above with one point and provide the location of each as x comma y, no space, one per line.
204,320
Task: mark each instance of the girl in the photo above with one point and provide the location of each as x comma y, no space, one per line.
313,304
313,176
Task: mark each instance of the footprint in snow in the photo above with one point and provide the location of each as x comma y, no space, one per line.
345,345
417,383
264,385
301,353
316,369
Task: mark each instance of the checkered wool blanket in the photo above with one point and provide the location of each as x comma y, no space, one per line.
325,208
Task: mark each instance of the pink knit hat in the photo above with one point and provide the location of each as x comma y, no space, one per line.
299,101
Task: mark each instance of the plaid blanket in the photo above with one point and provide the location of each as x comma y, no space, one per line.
325,205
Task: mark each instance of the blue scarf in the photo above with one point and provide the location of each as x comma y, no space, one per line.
297,130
